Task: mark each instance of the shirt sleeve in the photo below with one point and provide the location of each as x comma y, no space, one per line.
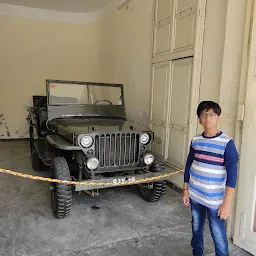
188,164
231,163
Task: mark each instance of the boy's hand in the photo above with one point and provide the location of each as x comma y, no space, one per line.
186,198
224,210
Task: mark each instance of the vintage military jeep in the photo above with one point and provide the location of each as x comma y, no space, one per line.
80,130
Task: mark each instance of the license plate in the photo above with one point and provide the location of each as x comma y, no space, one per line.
116,181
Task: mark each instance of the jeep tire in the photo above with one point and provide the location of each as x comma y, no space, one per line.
157,191
61,194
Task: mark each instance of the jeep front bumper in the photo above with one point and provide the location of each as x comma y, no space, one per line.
123,180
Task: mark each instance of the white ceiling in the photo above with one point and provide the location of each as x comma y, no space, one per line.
75,6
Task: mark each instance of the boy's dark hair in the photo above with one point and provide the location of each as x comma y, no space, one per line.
206,105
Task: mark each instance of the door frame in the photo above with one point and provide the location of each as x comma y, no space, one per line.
197,69
248,72
231,223
151,120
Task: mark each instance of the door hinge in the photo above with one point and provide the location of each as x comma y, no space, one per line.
240,113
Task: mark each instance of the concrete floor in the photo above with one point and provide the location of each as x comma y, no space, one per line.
123,225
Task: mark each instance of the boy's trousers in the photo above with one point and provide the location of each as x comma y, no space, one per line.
217,228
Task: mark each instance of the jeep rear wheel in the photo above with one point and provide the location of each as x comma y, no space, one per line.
157,190
61,194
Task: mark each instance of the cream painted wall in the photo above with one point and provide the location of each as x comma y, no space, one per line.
215,25
118,49
231,67
126,52
230,80
32,51
222,58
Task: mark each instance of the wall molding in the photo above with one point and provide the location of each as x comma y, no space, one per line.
57,16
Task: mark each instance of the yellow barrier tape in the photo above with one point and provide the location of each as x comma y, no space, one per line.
32,177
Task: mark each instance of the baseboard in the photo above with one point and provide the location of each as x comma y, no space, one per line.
16,139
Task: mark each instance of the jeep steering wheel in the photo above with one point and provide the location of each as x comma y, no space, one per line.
103,100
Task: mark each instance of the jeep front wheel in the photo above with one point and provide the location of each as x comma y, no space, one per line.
154,192
61,194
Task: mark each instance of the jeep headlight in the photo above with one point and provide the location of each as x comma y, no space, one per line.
149,159
92,163
144,138
86,141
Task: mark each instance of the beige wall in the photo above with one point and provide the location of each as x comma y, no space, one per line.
230,79
32,51
231,66
126,52
117,50
222,58
213,47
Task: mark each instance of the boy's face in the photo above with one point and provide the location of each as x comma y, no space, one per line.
209,119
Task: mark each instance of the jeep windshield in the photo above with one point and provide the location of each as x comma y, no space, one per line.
72,93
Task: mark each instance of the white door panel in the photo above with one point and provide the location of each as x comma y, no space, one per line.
184,29
160,133
183,5
180,99
174,28
178,114
163,27
160,85
162,37
163,9
159,91
176,149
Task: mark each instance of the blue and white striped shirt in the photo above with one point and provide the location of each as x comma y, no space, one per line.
212,165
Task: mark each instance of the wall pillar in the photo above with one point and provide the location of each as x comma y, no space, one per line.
231,76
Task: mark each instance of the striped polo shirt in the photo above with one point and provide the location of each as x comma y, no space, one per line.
207,169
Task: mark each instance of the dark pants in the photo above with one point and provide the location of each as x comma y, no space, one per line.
217,228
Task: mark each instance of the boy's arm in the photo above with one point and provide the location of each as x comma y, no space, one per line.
231,163
186,176
188,165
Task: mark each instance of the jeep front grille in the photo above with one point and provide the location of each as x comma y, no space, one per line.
117,149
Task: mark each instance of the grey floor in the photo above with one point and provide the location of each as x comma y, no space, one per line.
121,224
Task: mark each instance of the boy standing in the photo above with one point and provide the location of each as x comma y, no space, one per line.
210,179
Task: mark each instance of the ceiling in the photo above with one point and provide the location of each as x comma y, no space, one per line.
75,6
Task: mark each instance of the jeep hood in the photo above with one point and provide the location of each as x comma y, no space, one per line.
78,126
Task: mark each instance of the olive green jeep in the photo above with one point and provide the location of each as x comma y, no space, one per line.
80,130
